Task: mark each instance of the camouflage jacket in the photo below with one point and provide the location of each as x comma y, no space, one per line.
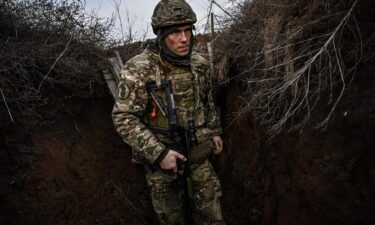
133,106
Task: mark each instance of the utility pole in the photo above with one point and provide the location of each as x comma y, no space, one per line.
212,27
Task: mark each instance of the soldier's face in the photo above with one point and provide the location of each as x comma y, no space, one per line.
179,40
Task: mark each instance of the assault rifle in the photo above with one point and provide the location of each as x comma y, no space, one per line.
183,139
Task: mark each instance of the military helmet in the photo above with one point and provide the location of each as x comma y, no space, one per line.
172,12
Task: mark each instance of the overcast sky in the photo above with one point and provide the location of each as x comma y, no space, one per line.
140,12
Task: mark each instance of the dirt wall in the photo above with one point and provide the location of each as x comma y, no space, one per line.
310,176
82,173
74,168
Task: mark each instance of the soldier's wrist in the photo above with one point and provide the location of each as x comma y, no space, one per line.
161,156
217,132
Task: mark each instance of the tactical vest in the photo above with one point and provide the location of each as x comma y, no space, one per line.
187,86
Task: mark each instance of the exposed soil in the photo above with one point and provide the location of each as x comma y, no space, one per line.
82,175
309,177
74,169
79,171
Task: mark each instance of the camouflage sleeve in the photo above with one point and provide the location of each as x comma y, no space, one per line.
130,105
213,120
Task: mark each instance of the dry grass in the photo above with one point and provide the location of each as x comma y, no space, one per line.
46,48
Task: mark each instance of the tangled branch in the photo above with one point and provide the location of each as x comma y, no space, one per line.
48,48
294,56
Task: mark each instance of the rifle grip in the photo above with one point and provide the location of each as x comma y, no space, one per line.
180,167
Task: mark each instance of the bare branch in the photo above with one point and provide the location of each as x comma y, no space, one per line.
287,66
6,105
53,65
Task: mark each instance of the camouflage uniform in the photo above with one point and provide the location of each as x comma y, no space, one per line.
131,116
193,101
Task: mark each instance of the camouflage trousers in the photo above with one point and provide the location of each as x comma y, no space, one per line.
167,195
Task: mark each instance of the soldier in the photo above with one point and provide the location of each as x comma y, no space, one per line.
137,112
